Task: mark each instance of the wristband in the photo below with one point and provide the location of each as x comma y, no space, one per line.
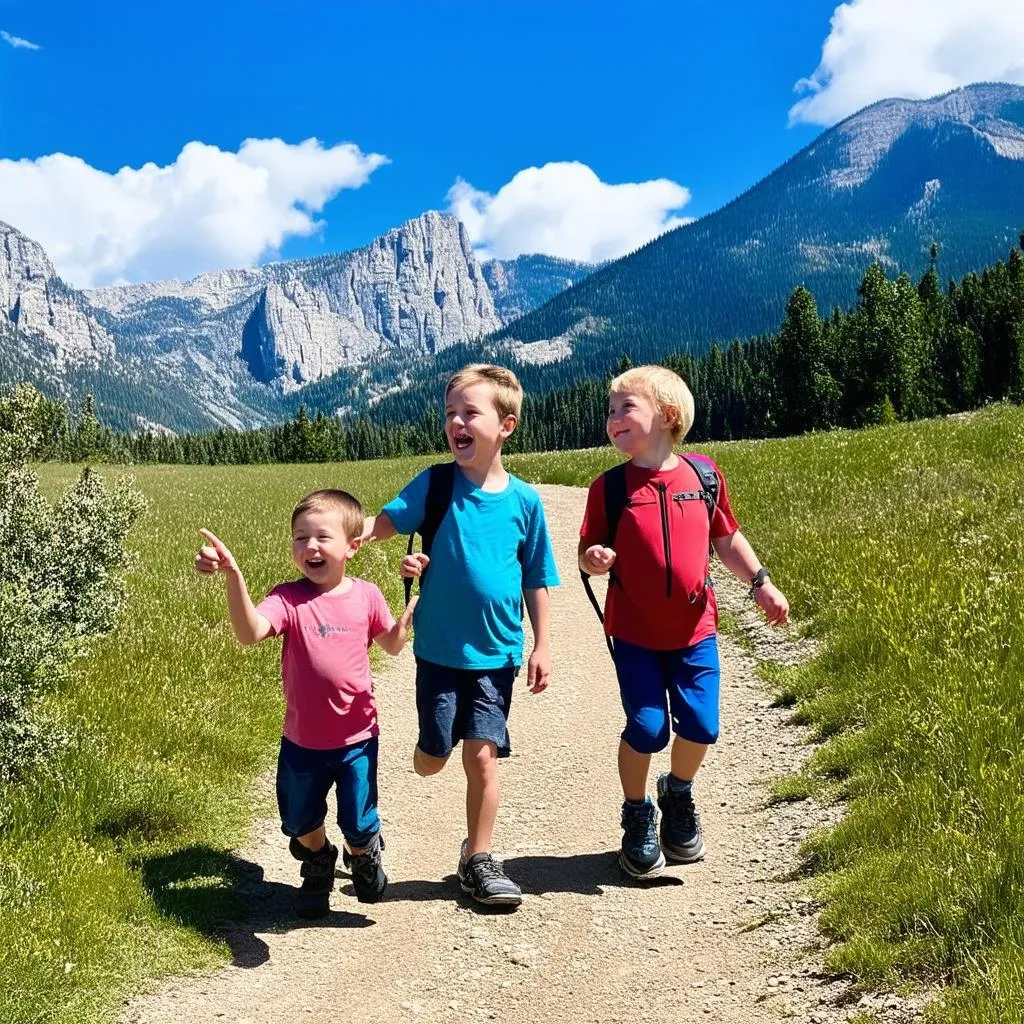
757,582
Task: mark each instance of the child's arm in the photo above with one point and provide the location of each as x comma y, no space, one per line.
538,669
393,640
378,527
249,626
738,557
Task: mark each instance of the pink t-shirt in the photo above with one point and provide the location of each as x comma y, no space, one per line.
325,668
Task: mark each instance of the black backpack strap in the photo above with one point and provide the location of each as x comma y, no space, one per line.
615,500
440,488
708,481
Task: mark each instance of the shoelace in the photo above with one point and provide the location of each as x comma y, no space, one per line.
641,819
682,814
487,868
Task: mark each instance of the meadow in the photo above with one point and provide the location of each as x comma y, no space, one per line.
900,547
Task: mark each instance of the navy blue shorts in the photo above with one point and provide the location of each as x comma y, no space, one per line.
654,683
305,777
456,704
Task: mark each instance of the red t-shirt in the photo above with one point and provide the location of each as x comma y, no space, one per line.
657,596
325,665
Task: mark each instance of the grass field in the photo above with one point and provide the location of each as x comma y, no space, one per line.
900,547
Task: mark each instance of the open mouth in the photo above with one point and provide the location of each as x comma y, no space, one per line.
315,563
461,441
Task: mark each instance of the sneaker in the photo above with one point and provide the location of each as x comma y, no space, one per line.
640,856
317,871
368,878
346,853
681,837
482,877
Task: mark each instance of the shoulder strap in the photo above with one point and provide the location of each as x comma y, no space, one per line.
615,501
440,488
708,480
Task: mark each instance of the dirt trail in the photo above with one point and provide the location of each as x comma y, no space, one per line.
724,940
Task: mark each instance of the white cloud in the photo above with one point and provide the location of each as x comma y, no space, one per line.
911,49
17,42
564,209
208,210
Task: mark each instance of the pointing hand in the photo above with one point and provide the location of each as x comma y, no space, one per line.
214,556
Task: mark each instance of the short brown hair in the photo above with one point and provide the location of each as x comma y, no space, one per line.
664,388
505,386
349,508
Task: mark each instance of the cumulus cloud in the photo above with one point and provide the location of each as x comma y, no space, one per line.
911,49
208,210
564,209
17,42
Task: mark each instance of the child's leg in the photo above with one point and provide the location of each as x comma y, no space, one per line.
480,761
687,757
436,704
693,694
642,683
356,775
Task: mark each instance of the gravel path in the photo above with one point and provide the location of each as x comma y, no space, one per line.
732,939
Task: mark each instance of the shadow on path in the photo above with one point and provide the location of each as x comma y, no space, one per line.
588,874
228,899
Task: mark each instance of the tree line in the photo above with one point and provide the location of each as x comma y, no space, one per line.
903,352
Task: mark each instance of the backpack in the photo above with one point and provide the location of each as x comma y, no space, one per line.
616,500
440,488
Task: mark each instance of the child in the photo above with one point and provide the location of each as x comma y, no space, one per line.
328,621
490,553
660,610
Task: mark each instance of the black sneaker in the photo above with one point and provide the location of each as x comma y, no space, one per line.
482,877
368,878
681,837
346,853
317,871
640,856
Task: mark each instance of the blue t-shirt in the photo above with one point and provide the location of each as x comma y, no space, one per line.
470,613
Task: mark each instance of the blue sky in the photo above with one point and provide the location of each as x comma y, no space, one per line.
696,97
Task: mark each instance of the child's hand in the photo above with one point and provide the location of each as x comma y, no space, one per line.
598,559
405,619
538,669
773,603
214,556
413,565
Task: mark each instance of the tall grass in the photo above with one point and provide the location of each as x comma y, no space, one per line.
901,547
904,549
114,866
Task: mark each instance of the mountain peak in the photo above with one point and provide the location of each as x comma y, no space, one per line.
994,112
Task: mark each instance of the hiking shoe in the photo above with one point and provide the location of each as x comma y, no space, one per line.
482,877
317,871
346,853
640,856
368,878
681,837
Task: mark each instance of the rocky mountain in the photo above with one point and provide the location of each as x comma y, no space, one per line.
882,185
230,344
527,282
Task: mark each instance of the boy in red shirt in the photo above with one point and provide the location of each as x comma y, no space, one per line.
328,621
660,609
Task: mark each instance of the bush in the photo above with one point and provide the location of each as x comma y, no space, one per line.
62,571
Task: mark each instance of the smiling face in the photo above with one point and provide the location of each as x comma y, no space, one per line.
635,424
320,547
473,427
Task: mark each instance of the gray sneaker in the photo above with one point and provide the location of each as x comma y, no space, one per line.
482,878
681,837
640,857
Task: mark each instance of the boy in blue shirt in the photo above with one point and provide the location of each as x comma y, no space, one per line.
491,554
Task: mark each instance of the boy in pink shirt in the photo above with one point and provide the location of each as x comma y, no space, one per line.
328,621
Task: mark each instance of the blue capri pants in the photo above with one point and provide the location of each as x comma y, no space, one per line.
658,685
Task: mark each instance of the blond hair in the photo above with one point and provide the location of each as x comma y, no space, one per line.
667,390
505,386
344,504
